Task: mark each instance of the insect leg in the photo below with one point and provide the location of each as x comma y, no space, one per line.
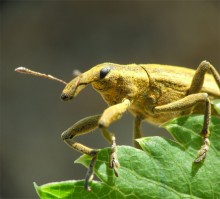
199,76
110,115
83,126
137,133
195,87
188,102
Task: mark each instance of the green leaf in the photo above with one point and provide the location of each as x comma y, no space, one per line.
164,169
216,104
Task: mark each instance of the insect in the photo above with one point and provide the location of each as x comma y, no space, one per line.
151,92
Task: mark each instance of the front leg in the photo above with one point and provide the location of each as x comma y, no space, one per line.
83,126
110,115
87,125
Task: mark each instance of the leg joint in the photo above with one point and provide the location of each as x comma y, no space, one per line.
205,64
102,124
66,135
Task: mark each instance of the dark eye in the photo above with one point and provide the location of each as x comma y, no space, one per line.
104,72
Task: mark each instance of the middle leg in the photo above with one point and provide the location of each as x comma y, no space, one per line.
137,133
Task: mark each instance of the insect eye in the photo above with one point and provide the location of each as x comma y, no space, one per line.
104,72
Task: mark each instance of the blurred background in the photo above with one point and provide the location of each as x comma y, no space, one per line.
57,37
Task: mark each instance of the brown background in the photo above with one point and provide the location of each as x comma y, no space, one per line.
58,36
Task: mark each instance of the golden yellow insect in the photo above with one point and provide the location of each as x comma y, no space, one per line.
151,92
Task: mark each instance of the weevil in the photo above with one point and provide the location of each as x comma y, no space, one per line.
151,92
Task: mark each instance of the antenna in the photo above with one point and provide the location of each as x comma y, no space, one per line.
31,72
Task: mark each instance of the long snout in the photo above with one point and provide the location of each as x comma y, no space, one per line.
65,97
71,89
